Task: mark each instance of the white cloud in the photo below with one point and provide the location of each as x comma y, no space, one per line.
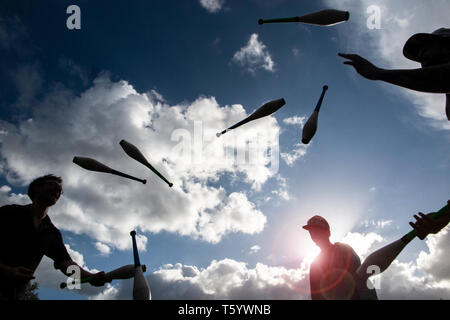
436,263
212,6
178,140
377,223
103,248
362,243
401,281
282,190
254,249
399,21
224,279
295,120
254,55
298,152
6,197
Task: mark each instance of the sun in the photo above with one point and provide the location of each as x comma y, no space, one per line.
310,254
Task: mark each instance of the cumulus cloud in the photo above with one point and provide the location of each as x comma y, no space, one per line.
8,197
178,140
212,6
254,55
103,248
224,279
399,21
436,263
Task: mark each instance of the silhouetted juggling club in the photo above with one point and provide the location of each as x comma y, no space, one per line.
310,128
383,257
327,17
265,110
141,290
134,153
94,165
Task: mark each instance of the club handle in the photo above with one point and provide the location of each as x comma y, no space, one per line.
412,234
319,103
289,19
220,133
118,173
160,175
137,262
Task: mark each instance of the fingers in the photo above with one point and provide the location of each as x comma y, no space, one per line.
348,56
99,279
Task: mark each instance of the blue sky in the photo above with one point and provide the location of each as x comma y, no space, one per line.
146,70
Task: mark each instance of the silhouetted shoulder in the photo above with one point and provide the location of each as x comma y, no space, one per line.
344,247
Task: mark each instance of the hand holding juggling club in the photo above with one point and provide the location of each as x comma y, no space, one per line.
382,258
124,272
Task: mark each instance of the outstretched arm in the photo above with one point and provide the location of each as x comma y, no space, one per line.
98,279
432,79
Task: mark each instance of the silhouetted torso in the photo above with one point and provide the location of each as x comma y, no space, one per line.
333,276
21,244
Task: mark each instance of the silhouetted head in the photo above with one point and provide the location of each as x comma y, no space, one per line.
429,48
319,230
45,190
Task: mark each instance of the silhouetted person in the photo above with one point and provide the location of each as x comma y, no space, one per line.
27,234
431,50
424,225
332,275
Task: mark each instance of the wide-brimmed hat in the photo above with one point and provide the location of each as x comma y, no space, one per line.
317,222
420,40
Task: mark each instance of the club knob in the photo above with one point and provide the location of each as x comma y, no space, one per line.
170,185
218,134
305,141
133,233
260,21
325,87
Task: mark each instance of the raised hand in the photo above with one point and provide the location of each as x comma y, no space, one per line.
362,66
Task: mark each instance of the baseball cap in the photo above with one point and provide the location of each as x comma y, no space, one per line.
420,40
317,222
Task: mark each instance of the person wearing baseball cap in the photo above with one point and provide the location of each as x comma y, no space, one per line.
431,50
332,275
